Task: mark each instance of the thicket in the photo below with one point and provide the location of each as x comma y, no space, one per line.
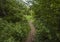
13,25
47,20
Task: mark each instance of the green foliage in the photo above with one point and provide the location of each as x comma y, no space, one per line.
47,17
10,32
12,11
13,25
14,16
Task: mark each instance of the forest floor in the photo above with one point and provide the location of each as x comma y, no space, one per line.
31,35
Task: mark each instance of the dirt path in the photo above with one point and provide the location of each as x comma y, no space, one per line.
31,35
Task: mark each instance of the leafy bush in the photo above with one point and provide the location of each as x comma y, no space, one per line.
10,32
47,17
13,26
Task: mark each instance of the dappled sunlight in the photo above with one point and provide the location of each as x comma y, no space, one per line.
29,17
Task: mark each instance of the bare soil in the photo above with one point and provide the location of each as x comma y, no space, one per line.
31,35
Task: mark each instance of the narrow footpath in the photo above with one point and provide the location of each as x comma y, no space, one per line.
31,35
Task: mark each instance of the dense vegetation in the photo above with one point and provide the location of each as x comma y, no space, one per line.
13,26
14,16
47,23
